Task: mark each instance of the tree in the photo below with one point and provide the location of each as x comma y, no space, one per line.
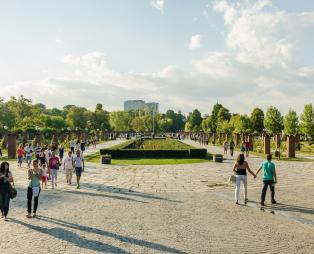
257,120
240,124
273,121
76,117
214,116
120,120
194,121
307,122
291,123
222,117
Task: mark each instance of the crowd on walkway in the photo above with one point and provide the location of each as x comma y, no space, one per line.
43,164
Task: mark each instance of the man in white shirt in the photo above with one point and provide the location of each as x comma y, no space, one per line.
68,167
28,152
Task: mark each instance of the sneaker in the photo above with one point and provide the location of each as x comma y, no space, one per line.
246,200
78,186
34,215
237,202
28,216
274,202
262,204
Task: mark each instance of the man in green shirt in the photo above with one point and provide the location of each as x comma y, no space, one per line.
269,178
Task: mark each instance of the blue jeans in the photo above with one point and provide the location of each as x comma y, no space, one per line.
4,203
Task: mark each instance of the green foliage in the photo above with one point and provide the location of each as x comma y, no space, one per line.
194,121
307,121
257,120
241,124
291,123
121,120
273,121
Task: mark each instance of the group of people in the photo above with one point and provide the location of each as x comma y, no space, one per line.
269,175
43,165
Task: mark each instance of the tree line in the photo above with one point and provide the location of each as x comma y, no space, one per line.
21,114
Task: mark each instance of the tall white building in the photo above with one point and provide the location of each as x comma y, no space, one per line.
139,104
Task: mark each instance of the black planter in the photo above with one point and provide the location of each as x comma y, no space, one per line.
105,160
218,158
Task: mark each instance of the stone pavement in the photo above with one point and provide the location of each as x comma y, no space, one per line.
163,209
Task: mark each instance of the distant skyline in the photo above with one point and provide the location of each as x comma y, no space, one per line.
183,54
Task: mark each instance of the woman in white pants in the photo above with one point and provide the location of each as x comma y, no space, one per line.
240,168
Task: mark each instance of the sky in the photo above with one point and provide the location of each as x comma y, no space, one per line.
184,54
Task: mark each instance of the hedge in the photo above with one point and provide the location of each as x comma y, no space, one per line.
147,153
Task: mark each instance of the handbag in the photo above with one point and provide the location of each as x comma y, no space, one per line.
12,191
232,179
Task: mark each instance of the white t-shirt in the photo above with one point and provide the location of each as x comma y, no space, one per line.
78,161
72,143
28,151
68,162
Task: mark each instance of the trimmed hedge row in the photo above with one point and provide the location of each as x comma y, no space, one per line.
147,153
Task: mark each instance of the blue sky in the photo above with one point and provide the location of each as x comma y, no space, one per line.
184,54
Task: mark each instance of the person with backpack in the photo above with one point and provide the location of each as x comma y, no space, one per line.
5,179
268,169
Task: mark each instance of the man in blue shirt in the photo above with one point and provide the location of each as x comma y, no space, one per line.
269,178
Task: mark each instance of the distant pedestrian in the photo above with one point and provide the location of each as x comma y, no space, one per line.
33,190
61,152
72,145
240,167
231,147
226,146
247,148
37,151
54,165
5,179
68,167
269,178
28,154
20,155
44,176
79,166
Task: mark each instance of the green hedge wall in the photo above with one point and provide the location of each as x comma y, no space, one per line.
142,153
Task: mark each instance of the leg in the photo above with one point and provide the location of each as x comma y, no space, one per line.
244,179
29,200
1,203
36,203
237,190
264,192
272,190
6,204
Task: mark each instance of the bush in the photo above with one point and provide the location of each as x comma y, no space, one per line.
141,153
198,153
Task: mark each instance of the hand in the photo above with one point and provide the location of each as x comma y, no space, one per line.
275,182
255,176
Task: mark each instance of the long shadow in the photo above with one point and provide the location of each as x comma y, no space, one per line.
73,238
104,196
101,187
125,239
289,208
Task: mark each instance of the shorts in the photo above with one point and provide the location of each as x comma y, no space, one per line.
20,159
28,158
78,171
44,179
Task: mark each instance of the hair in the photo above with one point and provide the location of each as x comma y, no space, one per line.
2,167
269,157
240,159
35,161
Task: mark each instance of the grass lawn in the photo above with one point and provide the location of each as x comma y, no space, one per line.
95,158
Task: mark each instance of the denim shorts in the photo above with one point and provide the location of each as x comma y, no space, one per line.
78,171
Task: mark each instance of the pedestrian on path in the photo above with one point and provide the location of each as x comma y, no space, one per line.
231,147
79,166
68,167
44,177
54,165
269,178
5,179
240,167
72,145
61,152
28,154
33,190
20,155
226,146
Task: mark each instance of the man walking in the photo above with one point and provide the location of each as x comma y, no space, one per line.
269,178
231,147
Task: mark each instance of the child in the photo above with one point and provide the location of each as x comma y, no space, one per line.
44,176
42,157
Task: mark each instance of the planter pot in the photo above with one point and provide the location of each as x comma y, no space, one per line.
218,158
105,160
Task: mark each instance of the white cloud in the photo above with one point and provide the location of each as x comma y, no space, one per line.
195,41
158,4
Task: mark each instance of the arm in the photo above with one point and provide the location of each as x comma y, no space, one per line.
30,174
251,172
258,171
234,168
275,176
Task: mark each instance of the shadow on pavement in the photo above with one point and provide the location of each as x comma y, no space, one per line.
73,238
125,239
123,191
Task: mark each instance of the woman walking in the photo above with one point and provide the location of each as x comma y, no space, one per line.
5,179
33,190
54,165
240,167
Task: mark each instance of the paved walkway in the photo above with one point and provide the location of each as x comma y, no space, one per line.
163,209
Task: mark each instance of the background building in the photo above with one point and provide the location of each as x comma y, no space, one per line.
139,104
